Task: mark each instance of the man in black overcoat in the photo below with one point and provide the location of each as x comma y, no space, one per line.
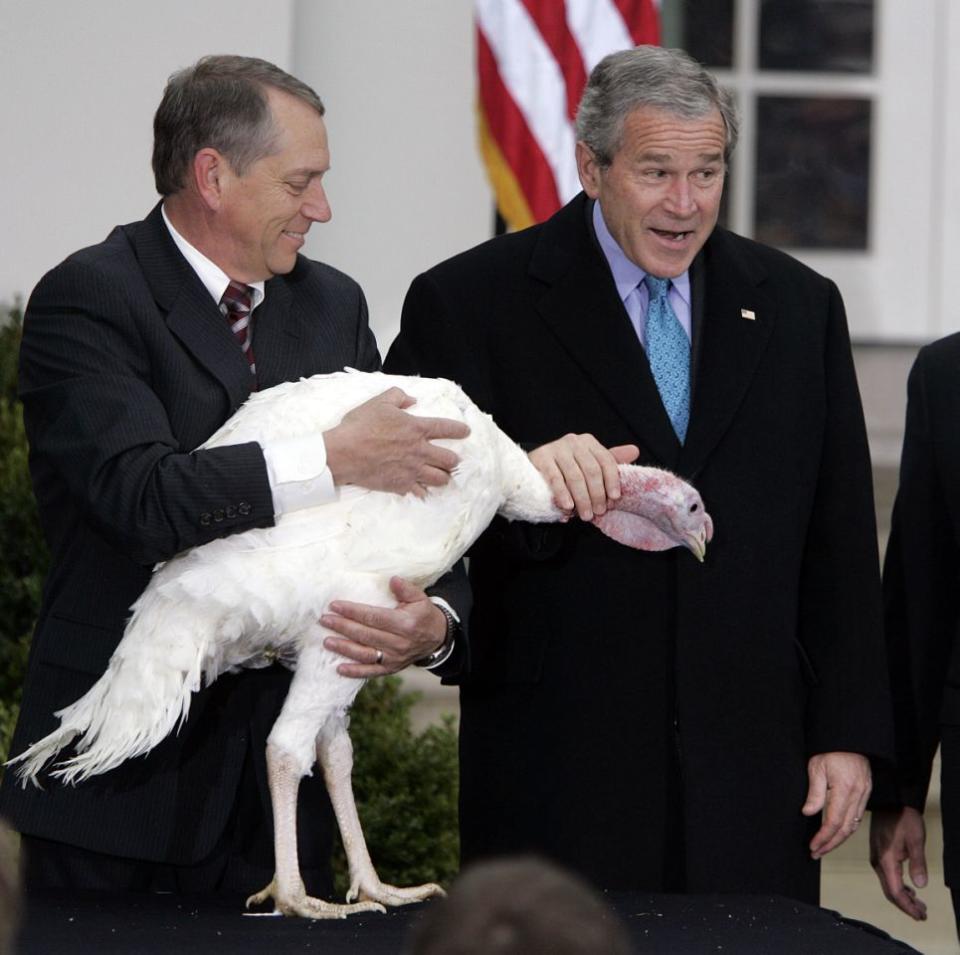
134,352
922,617
649,721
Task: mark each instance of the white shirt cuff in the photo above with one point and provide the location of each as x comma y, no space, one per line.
298,473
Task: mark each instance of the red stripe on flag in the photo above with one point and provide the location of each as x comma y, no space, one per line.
551,21
510,130
641,20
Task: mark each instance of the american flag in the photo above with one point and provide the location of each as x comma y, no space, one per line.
533,59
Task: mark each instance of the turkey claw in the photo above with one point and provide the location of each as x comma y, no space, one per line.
299,903
392,895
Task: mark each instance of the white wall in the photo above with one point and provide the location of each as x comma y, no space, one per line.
406,184
81,80
947,183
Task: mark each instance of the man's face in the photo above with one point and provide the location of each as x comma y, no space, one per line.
266,212
660,196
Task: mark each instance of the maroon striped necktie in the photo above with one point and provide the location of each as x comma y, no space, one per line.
235,305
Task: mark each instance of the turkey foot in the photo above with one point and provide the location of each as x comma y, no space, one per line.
392,895
299,903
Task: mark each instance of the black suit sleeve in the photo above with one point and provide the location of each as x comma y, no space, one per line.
921,577
368,355
97,427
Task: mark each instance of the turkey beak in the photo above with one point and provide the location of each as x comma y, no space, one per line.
696,542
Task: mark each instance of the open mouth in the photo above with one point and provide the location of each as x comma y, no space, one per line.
677,237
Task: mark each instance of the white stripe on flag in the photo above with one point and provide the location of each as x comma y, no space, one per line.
598,29
534,80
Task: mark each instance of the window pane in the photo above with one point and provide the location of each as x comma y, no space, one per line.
817,35
704,28
813,166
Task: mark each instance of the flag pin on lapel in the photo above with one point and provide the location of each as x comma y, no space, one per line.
748,314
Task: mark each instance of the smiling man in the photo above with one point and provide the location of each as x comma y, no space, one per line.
651,722
134,352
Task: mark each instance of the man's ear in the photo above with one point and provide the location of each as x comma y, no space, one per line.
589,169
208,170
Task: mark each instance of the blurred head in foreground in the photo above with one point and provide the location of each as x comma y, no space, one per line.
520,906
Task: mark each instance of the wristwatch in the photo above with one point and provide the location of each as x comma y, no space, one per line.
442,653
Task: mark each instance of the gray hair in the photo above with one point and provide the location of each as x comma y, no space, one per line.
668,80
220,102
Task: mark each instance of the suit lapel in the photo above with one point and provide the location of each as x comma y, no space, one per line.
190,313
729,346
582,309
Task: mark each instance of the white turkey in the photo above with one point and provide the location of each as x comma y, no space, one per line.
258,595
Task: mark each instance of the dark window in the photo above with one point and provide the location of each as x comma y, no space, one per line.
816,35
704,28
813,172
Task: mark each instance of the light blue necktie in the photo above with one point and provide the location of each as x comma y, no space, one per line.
668,351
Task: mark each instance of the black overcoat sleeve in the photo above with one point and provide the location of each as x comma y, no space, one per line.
921,577
839,594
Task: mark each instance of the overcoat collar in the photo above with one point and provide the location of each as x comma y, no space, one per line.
581,307
193,316
737,318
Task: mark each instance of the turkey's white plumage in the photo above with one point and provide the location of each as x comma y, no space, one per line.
256,596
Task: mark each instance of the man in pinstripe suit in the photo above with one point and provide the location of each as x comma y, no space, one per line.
127,365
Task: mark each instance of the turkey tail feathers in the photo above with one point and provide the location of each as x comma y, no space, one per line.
141,699
75,720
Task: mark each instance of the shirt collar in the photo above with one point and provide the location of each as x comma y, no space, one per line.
628,275
214,279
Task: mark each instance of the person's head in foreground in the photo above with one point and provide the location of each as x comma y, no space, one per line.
519,906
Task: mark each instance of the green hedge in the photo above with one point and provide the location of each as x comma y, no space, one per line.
405,783
406,789
23,554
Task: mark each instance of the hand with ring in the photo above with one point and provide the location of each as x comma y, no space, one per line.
378,640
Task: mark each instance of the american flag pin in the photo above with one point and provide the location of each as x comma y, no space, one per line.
748,314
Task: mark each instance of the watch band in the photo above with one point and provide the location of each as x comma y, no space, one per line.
442,653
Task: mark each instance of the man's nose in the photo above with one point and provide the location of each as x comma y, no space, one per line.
680,198
316,206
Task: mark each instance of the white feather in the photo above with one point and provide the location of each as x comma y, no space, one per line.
251,597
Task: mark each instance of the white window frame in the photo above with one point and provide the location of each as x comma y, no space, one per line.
905,286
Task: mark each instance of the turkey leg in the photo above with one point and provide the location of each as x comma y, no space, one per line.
335,755
287,889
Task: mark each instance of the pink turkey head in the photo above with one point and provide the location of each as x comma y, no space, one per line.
657,511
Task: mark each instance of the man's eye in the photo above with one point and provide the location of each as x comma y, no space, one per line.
296,187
